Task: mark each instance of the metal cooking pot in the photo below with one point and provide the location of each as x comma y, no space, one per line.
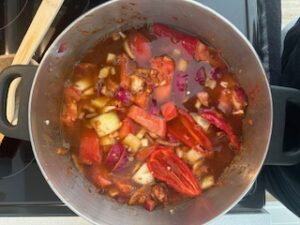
43,87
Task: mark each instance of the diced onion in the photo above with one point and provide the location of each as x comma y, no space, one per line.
224,84
128,50
207,182
192,156
83,84
143,175
106,123
132,142
201,121
110,58
182,65
210,83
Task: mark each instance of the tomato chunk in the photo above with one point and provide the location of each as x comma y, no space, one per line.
153,123
140,47
166,166
165,67
89,150
169,111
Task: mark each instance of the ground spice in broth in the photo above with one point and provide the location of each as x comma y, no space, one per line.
153,116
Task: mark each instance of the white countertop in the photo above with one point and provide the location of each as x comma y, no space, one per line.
274,214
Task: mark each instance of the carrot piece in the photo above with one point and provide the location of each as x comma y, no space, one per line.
126,128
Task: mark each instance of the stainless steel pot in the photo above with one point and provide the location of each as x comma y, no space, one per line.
46,98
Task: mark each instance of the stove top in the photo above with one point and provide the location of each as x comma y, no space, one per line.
23,190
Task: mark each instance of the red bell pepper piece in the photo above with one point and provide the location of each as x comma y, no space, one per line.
169,111
191,44
89,149
218,121
166,166
184,129
153,123
140,47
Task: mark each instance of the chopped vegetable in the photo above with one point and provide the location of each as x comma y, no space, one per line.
106,123
128,50
132,142
107,140
207,182
82,84
143,154
100,177
182,65
169,111
100,102
143,175
204,124
201,76
123,96
140,47
141,99
149,204
193,156
124,186
160,193
210,83
186,130
154,124
116,158
137,84
203,98
126,128
220,123
166,166
165,67
89,150
239,98
111,58
181,82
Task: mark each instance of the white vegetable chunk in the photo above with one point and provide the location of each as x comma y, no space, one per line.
106,123
132,142
143,175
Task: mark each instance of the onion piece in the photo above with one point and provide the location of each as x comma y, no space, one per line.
182,65
181,82
215,74
128,50
210,83
154,108
123,96
143,175
201,121
200,76
117,157
207,182
111,58
132,142
166,143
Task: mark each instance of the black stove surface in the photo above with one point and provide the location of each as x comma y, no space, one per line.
23,190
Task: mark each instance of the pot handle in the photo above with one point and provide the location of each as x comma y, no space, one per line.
26,72
284,146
